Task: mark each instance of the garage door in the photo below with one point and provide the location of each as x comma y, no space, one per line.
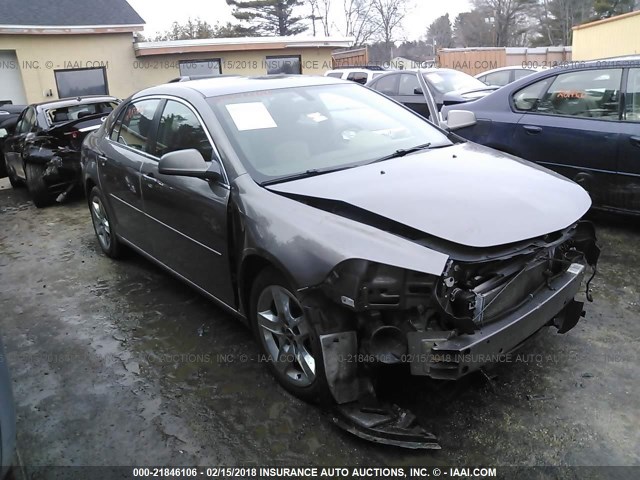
11,86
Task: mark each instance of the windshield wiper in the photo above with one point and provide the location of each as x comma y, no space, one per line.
309,173
401,153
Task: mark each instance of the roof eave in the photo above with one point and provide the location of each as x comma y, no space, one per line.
225,45
68,29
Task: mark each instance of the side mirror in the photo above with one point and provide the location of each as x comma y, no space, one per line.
418,91
3,133
189,163
457,119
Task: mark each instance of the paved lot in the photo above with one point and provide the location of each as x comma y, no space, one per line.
117,363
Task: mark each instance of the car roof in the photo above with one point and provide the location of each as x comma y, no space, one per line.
66,102
512,67
218,86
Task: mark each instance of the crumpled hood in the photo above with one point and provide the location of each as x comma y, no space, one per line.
467,194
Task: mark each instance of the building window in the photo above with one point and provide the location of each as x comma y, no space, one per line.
200,68
82,81
284,64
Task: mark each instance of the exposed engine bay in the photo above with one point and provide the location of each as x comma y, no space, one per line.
484,305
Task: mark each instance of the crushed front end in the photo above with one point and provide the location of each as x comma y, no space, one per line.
485,304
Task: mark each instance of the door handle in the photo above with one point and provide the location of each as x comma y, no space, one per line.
635,141
151,179
532,129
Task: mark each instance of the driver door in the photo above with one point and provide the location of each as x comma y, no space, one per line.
188,216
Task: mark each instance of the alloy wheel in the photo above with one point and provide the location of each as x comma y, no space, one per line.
286,334
101,223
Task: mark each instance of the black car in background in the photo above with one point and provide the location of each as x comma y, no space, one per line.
581,120
9,114
43,149
446,86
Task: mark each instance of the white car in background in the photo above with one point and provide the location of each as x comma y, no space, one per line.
361,75
500,77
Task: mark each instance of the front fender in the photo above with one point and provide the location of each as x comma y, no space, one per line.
308,242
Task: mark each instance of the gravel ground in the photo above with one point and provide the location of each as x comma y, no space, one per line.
118,363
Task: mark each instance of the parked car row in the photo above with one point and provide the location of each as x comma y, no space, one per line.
320,213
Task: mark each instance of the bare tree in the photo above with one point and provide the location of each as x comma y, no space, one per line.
359,22
505,18
389,15
320,10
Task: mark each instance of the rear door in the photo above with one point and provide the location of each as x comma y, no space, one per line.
572,127
628,181
128,145
188,216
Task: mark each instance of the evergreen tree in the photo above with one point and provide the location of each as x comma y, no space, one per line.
270,17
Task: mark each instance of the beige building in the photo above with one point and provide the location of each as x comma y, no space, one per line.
477,60
611,37
89,47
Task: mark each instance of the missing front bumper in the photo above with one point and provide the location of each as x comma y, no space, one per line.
442,356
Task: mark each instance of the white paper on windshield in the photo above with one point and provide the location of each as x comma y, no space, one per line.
251,116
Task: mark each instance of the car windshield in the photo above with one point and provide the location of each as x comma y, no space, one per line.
445,81
60,115
285,132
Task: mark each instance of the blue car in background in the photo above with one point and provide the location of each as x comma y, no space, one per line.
581,119
7,418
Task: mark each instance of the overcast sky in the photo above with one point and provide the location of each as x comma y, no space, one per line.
159,14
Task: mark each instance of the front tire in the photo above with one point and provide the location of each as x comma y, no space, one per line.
38,189
288,340
13,180
102,224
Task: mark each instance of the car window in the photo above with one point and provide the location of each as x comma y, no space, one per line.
527,99
283,132
27,122
358,77
387,85
20,123
483,78
335,74
376,75
134,125
75,112
408,84
180,129
632,109
499,79
587,94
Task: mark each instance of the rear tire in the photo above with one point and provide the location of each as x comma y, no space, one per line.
288,340
38,189
102,224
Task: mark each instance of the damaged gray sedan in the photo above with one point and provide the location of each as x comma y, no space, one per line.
345,229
